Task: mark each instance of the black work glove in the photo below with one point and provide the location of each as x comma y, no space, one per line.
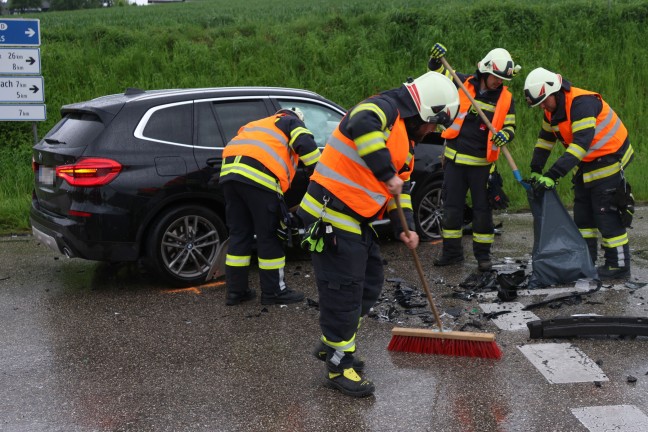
496,196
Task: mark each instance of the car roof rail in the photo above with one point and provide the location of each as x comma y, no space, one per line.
133,91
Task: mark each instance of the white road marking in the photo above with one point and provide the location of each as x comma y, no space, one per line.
562,363
516,319
621,418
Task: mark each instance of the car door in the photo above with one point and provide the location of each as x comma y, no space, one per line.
217,122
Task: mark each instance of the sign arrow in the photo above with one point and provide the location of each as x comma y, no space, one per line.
34,89
30,32
31,61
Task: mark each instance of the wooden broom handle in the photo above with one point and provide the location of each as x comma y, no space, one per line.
417,262
507,154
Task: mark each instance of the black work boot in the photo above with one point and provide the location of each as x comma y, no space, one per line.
285,296
451,253
444,260
350,383
484,265
607,272
320,353
234,298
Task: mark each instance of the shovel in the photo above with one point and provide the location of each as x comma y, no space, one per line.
507,154
217,268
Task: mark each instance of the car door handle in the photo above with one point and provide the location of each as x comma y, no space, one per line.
215,161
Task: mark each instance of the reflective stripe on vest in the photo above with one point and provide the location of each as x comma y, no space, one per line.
342,171
337,219
609,134
265,142
501,110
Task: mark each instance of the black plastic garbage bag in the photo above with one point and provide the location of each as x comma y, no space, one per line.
560,254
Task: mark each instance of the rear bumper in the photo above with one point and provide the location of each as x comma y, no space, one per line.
72,239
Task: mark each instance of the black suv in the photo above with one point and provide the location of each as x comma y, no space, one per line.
135,175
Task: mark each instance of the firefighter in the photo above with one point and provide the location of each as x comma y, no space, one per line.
258,166
471,151
598,148
367,160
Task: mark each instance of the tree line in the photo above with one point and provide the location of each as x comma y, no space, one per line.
61,5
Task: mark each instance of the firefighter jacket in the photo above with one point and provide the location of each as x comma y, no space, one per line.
369,147
265,152
468,139
499,116
595,139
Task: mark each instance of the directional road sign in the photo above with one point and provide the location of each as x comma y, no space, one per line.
19,61
20,32
21,89
32,112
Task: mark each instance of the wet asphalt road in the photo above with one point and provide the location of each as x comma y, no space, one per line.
88,346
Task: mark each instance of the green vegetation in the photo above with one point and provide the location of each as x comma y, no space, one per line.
343,49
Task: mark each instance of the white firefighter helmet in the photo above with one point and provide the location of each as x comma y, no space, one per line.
436,98
293,110
540,84
498,62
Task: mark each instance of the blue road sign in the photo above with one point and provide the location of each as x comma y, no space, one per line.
20,32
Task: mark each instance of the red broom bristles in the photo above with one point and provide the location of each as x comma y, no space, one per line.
452,343
450,347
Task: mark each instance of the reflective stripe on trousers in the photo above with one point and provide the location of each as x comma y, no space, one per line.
349,281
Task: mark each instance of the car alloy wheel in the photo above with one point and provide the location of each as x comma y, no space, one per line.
184,244
428,211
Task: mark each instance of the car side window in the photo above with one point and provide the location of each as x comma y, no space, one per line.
234,114
208,134
172,123
319,119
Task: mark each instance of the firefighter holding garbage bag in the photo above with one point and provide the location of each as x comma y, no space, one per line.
598,149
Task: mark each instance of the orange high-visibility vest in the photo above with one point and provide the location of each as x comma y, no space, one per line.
264,141
501,110
342,171
610,133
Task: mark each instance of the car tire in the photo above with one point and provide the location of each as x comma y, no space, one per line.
182,244
428,210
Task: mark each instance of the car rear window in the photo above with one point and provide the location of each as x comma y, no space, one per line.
75,130
171,124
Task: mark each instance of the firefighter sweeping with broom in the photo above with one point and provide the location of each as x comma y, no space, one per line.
597,145
366,162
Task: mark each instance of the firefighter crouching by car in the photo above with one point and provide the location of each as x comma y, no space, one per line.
471,151
598,148
258,167
367,160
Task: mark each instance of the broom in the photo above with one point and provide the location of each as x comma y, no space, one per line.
452,343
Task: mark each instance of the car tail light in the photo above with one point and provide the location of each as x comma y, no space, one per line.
89,172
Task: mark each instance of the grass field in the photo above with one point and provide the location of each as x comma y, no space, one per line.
343,49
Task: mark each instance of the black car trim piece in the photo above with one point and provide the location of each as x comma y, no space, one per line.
588,326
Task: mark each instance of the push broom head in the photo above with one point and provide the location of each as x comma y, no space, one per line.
452,343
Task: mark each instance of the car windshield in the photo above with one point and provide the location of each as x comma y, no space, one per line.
320,120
